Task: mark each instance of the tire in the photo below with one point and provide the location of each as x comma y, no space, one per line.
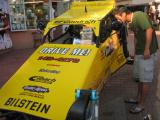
92,110
13,115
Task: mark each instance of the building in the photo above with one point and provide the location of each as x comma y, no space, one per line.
24,16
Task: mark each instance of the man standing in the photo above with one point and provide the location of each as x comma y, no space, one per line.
145,52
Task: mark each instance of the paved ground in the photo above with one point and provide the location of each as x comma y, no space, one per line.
115,90
10,61
121,86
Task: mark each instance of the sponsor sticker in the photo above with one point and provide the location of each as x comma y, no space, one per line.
63,51
28,104
38,89
75,22
49,71
42,79
36,95
60,59
55,50
80,52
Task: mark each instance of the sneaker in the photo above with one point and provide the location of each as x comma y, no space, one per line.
136,109
131,100
147,117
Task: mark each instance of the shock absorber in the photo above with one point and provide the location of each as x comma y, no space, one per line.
85,106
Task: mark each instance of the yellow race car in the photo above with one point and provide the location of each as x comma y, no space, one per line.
62,78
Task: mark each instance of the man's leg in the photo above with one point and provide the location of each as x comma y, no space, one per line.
145,87
139,92
136,68
146,68
146,77
143,90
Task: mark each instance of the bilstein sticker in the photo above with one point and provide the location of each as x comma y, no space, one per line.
42,79
38,89
27,104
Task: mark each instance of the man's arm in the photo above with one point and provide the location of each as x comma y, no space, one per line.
148,42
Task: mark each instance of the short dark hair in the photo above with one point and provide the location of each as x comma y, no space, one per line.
120,9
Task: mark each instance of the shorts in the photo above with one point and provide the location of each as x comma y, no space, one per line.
144,69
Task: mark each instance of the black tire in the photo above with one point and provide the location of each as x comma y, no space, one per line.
13,115
92,110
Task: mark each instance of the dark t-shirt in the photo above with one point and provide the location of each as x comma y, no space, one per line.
140,23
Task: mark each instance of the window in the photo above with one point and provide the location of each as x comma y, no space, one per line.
26,14
36,11
17,15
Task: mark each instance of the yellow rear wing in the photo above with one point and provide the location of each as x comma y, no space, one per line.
83,13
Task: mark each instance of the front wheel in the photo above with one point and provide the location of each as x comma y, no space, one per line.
85,107
92,110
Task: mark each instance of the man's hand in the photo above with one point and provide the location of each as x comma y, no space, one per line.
148,43
147,54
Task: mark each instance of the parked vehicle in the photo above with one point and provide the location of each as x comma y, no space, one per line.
62,78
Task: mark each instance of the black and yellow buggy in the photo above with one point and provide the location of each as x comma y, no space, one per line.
62,78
